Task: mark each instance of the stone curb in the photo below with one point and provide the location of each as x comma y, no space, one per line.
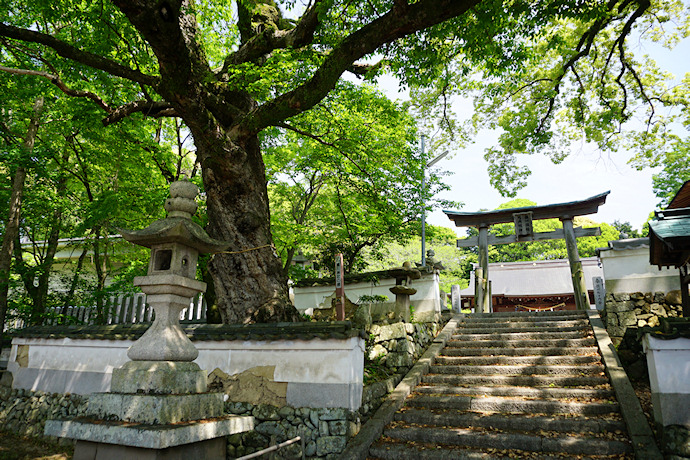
544,351
546,343
507,421
358,447
519,380
641,434
523,392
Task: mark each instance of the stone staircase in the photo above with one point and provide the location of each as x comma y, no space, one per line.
511,385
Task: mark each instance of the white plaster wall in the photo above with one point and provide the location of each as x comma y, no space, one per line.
629,271
85,366
427,298
669,364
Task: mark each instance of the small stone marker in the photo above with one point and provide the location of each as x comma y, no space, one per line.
339,288
455,298
599,292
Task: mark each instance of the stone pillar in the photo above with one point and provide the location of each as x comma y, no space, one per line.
576,272
599,292
455,298
483,299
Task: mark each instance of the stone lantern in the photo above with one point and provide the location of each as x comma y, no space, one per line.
402,289
175,243
158,405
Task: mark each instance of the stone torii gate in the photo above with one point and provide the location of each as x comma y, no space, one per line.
522,218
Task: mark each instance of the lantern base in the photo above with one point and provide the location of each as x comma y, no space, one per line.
172,377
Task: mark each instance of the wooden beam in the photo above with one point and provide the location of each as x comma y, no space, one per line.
555,235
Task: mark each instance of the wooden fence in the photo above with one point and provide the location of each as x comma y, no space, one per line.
126,308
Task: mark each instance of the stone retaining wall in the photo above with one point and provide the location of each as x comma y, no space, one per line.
325,431
25,412
399,345
632,310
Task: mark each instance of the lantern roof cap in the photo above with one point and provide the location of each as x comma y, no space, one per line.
178,227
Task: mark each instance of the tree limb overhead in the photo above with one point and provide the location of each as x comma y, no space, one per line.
84,57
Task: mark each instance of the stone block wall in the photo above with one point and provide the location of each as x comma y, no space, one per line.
399,345
25,412
325,431
632,310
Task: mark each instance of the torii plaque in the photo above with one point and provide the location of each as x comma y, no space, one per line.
522,219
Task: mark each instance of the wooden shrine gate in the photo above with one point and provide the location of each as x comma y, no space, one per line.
522,218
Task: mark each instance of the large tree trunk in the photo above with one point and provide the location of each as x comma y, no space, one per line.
249,282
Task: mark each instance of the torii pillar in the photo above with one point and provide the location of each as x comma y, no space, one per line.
576,272
482,294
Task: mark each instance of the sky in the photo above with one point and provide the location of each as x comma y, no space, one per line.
585,172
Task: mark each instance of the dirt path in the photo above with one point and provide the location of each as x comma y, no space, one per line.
21,448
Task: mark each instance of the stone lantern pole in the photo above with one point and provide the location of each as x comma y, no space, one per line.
158,406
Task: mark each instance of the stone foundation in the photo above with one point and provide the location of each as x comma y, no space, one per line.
632,310
399,345
326,431
675,440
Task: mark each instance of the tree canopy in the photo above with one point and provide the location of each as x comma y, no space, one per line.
236,71
675,172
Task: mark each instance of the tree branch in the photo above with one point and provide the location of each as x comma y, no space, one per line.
84,57
270,39
389,27
153,109
54,79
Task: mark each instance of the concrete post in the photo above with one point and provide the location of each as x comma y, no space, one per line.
577,274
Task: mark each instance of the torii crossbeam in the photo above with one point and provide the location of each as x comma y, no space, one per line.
522,218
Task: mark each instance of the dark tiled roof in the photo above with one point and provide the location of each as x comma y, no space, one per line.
669,237
355,278
197,332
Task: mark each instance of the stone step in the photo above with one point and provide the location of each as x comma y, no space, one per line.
579,324
519,351
522,315
516,380
587,342
408,451
511,405
532,443
514,335
525,392
590,369
517,360
503,422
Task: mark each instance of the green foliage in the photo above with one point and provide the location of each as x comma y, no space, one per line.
443,241
342,165
372,299
353,183
562,74
675,172
626,228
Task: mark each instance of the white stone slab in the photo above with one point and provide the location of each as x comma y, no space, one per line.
148,436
